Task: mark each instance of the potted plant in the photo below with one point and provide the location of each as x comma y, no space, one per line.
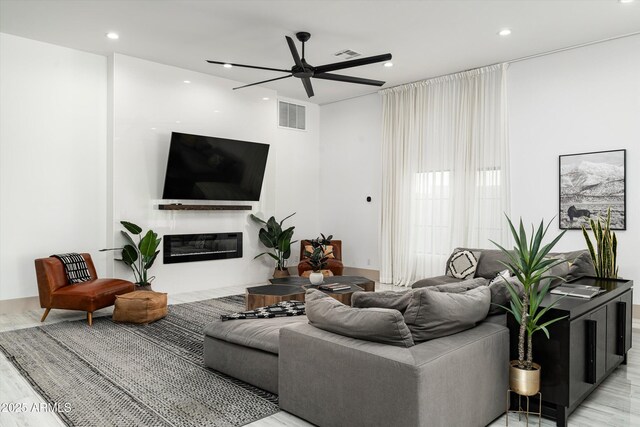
605,259
317,259
528,262
140,256
274,237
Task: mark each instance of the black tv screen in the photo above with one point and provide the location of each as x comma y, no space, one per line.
210,168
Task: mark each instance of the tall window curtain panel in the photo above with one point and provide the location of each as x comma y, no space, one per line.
445,171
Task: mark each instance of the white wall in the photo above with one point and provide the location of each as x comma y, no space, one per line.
350,150
586,99
576,101
297,177
52,158
149,100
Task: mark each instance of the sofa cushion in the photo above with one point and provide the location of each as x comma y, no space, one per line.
500,295
432,314
386,299
490,263
261,334
381,325
461,286
434,281
462,264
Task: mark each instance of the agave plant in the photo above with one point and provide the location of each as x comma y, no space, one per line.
605,258
139,256
528,261
274,237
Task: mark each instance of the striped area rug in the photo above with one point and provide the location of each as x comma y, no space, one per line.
114,374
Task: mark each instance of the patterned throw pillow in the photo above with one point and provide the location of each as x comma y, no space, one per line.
462,265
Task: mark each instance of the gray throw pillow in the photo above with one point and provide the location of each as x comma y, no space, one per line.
463,286
500,295
433,314
559,270
434,281
582,265
381,325
386,299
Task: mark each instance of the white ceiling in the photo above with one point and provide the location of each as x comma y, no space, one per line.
426,38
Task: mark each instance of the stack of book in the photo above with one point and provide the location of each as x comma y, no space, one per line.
334,287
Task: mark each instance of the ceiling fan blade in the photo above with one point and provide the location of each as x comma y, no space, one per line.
294,51
348,79
249,66
306,82
353,63
264,81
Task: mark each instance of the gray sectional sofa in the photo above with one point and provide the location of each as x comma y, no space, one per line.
334,380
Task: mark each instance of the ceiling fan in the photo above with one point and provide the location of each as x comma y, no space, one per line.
302,70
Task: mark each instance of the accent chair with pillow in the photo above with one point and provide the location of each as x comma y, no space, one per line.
56,290
334,263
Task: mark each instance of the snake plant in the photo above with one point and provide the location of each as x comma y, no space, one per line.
605,253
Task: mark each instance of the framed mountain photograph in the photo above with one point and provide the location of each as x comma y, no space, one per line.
590,184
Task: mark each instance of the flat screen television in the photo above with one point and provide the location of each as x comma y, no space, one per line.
210,168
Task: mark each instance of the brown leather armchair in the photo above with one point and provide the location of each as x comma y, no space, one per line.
334,264
56,292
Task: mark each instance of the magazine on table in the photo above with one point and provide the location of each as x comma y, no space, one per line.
578,291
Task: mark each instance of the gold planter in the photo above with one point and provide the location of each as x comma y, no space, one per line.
522,381
278,274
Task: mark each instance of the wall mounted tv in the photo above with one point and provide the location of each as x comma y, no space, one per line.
210,168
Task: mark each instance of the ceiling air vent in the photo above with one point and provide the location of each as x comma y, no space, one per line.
292,116
347,54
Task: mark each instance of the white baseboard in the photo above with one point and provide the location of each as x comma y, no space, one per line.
19,305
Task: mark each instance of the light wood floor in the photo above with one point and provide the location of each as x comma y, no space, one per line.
615,403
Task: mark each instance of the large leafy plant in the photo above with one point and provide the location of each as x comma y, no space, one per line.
274,237
605,253
139,256
528,261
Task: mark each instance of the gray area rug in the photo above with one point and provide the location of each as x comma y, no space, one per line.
116,374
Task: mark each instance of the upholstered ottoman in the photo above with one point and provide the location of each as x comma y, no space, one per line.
140,307
247,349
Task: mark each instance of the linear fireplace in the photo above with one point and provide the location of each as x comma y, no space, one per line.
201,247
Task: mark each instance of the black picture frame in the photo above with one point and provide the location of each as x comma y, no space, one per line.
591,183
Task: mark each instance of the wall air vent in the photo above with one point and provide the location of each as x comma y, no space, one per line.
292,116
347,54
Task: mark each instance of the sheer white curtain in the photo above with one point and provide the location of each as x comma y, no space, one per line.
445,171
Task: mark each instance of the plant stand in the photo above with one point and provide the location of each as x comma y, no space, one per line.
521,411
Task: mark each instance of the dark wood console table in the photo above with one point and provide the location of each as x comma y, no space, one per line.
584,348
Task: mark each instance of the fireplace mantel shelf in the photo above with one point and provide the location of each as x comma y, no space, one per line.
181,207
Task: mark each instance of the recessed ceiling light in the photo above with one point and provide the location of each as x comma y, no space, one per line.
153,128
113,36
504,32
187,81
625,1
227,65
216,111
265,99
388,64
177,121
